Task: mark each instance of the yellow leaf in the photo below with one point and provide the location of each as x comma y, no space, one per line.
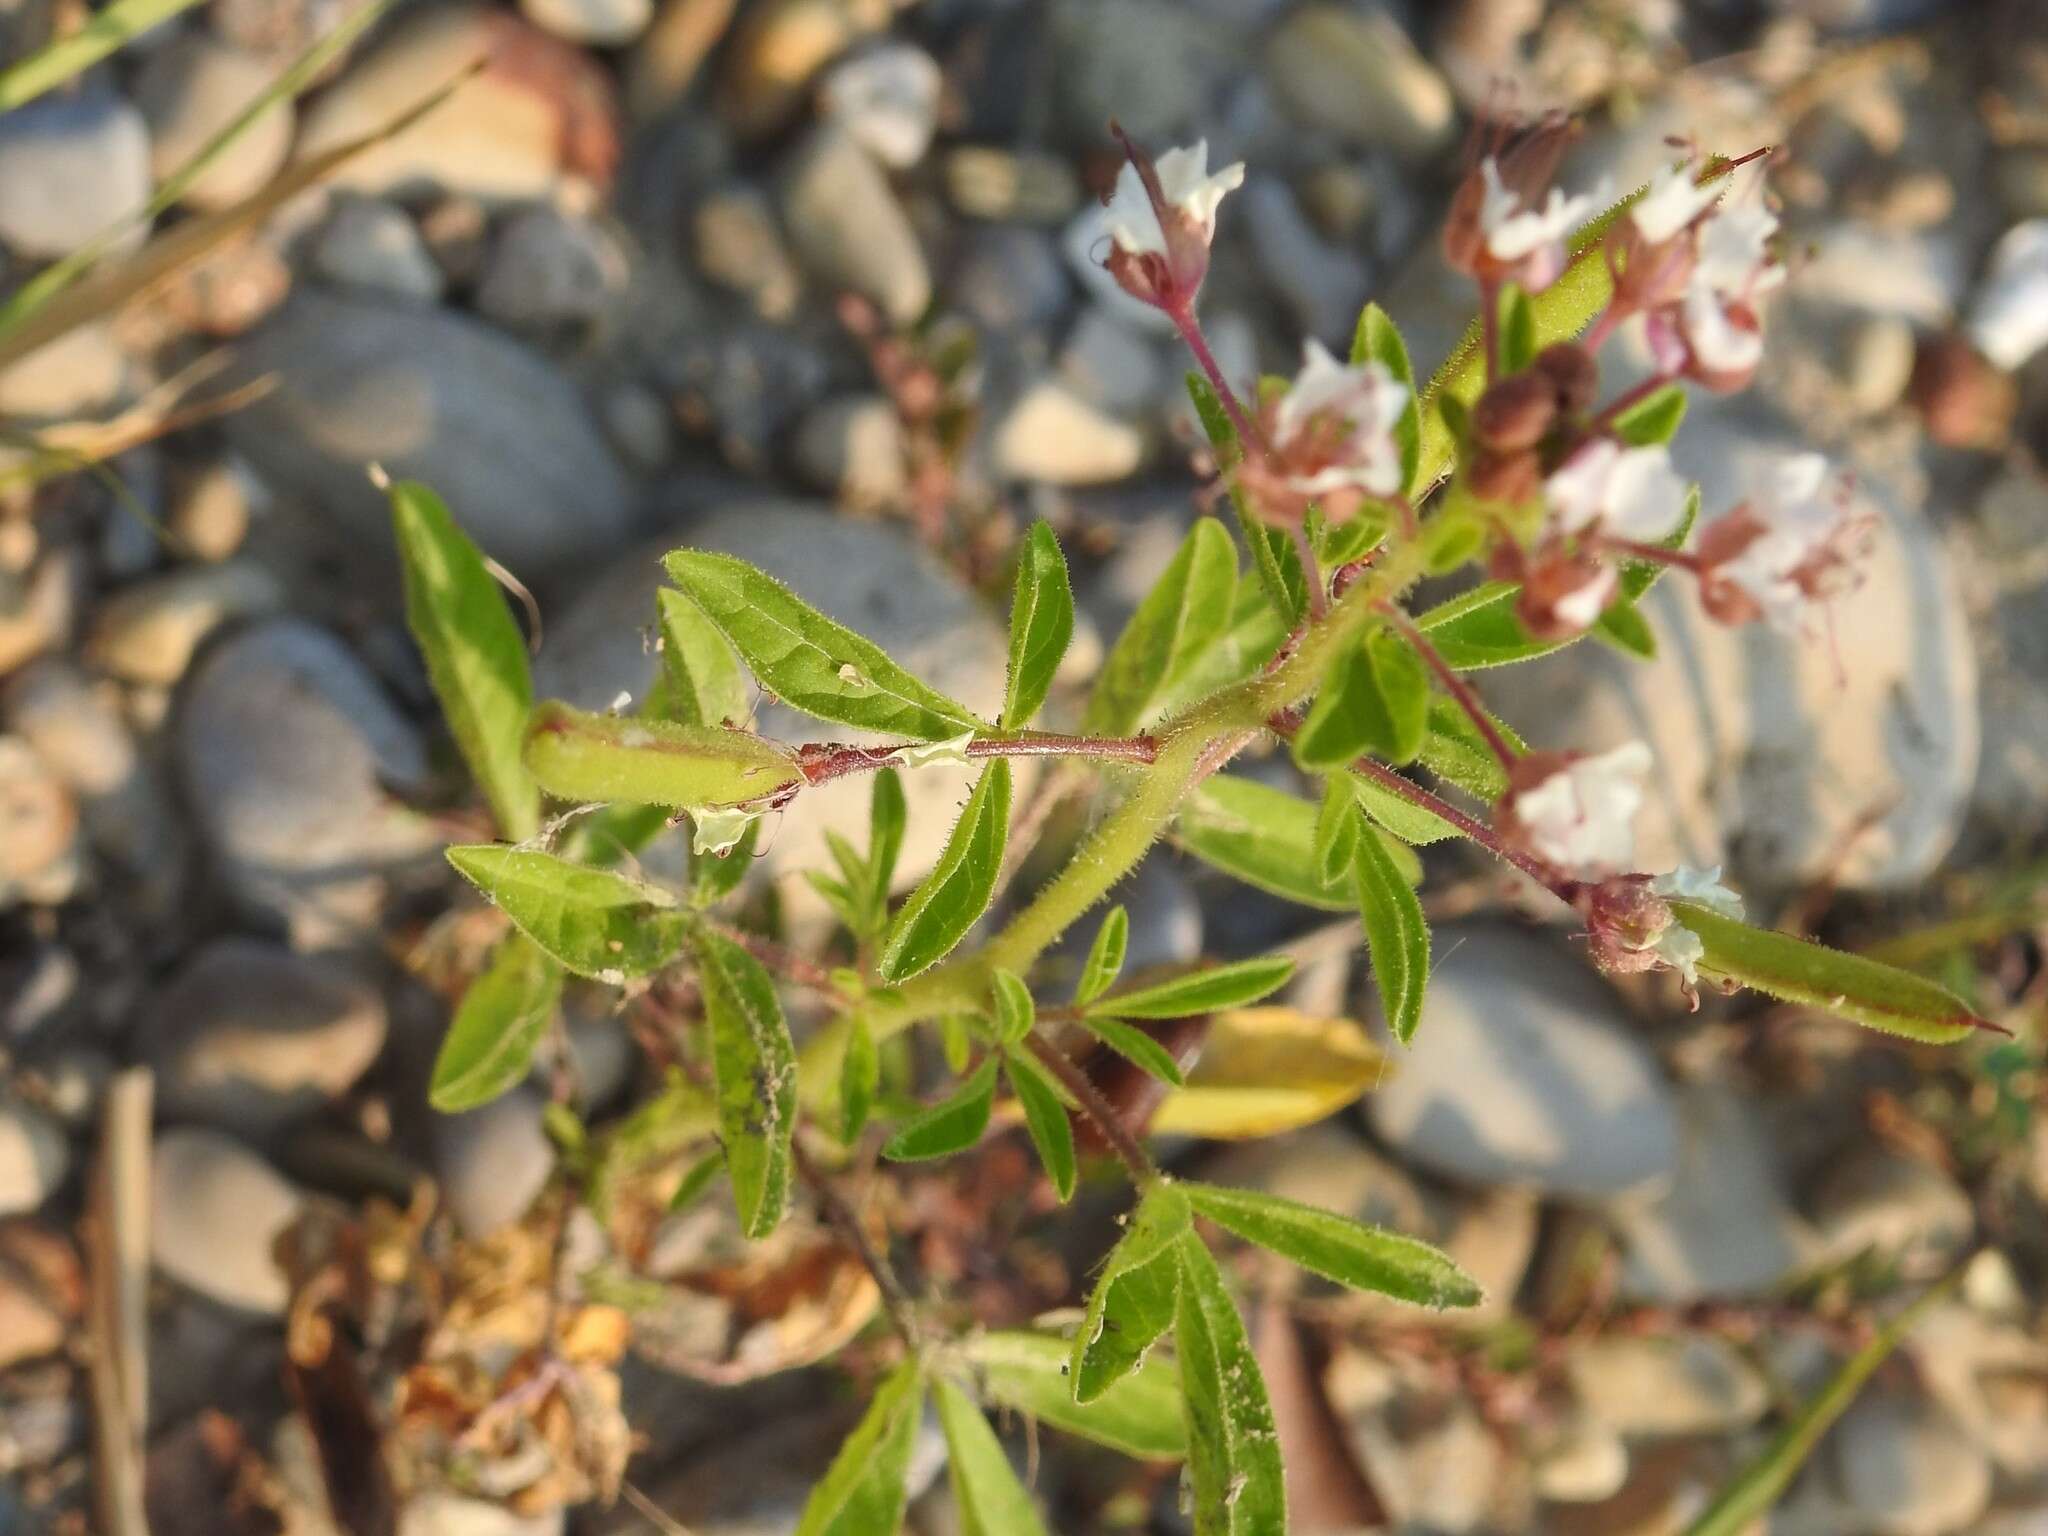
1267,1070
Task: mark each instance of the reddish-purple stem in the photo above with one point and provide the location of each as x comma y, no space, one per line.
1627,398
824,761
1460,690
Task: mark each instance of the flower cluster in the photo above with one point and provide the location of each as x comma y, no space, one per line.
1795,542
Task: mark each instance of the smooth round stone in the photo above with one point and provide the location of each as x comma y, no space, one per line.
506,440
778,49
369,243
493,1161
1585,1463
848,228
39,859
1525,1072
1150,64
1852,754
1053,435
1656,1387
2009,313
149,632
737,243
887,98
1354,74
1907,1468
441,1513
1726,1228
287,744
595,23
215,1211
869,577
70,166
1875,1199
852,447
81,371
250,1037
190,90
548,269
34,1157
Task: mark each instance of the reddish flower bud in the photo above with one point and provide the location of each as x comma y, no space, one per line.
1505,479
1515,412
1573,374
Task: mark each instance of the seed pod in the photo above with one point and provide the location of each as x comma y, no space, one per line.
1572,373
1507,479
579,756
1515,412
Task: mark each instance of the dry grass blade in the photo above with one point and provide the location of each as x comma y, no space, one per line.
69,57
118,1318
81,445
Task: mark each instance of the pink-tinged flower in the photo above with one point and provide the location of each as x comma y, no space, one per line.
1334,428
1578,812
1674,199
1633,928
1676,945
1717,323
1161,219
1564,592
1521,238
1628,493
1794,542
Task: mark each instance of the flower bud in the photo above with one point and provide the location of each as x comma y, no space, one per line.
1563,595
1572,373
1514,412
1506,479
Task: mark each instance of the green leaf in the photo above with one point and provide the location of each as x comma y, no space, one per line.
1179,619
1273,553
1401,818
1041,624
1138,1414
475,655
1132,1303
1457,753
1260,835
704,683
503,1018
1105,960
1046,1118
1375,698
860,1074
1378,340
1337,1248
1749,1495
809,661
1251,636
888,816
1517,329
952,1125
596,922
864,1490
1624,627
1396,935
696,1181
953,896
1136,1047
1233,1446
1652,420
985,1488
1851,987
1014,1008
754,1065
587,757
1205,991
1337,830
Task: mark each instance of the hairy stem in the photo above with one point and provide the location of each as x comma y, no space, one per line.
824,761
1098,1109
1454,684
846,1220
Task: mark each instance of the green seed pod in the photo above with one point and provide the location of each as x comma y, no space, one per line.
579,756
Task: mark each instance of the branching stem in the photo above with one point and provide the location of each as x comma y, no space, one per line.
1455,685
1098,1109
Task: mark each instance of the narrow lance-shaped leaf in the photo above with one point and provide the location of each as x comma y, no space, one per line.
1396,937
888,816
953,896
1014,1010
1046,1119
808,660
1105,960
952,1125
1260,835
1273,553
588,757
500,1023
705,683
1517,329
1233,1446
1135,1046
754,1065
1179,618
1402,818
475,655
1652,420
1041,624
860,1074
1138,1414
697,1179
985,1488
864,1490
1851,987
1377,340
1337,829
1132,1303
596,922
1220,986
1375,698
1337,1248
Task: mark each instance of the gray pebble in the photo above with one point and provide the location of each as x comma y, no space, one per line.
217,1209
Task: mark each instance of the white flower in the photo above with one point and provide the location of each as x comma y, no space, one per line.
1512,231
1185,182
1581,607
1673,200
1719,344
1677,945
1582,817
1366,401
1801,515
1632,493
2009,316
1734,266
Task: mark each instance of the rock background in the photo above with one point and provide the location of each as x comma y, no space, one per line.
635,284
